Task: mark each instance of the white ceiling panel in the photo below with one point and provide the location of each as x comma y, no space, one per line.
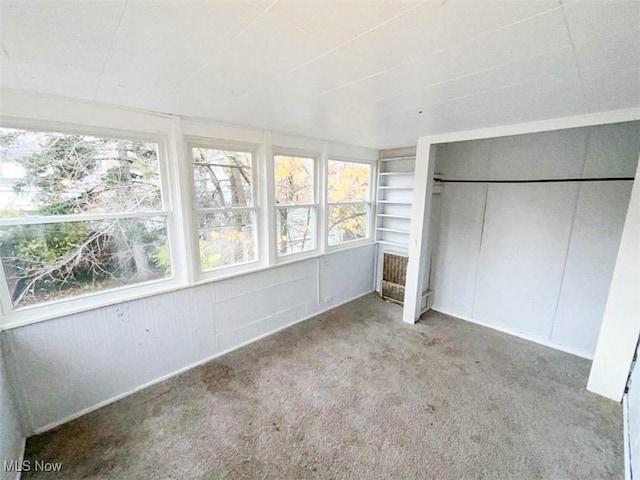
268,48
145,94
350,71
297,93
433,27
540,36
535,36
522,71
59,47
145,51
326,73
54,79
590,20
623,48
612,87
399,128
64,33
464,20
339,21
558,96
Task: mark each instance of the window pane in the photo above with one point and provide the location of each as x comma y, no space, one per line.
222,178
59,260
43,173
347,222
295,230
348,181
226,239
294,179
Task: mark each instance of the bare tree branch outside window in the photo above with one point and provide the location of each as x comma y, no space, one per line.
51,175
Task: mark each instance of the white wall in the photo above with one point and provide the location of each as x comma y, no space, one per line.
78,359
69,365
534,259
11,438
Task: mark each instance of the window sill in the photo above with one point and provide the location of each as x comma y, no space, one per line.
348,245
293,257
63,308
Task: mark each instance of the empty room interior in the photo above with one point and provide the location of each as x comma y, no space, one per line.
294,239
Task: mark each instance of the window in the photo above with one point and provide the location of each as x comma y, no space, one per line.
79,214
349,201
224,207
296,206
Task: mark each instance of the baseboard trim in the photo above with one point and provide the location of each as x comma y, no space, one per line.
114,399
626,440
516,333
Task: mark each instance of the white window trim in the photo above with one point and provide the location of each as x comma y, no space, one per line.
370,202
202,276
172,134
280,259
13,317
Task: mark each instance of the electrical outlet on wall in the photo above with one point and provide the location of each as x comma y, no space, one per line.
328,298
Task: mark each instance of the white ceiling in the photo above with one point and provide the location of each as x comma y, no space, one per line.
350,71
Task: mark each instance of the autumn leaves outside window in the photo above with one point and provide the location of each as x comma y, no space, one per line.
349,201
348,207
225,211
296,206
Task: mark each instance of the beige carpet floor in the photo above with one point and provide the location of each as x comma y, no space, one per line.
356,394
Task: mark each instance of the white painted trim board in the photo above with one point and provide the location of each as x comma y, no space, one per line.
626,439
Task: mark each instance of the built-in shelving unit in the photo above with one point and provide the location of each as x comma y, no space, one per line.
395,194
393,211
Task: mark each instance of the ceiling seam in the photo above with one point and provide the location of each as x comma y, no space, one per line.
453,80
111,45
299,28
467,76
575,59
443,50
475,38
425,106
224,48
347,42
536,80
616,35
330,51
372,75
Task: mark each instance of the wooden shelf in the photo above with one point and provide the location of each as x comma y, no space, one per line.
395,173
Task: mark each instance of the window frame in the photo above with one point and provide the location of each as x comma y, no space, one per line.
245,147
86,301
172,134
316,205
370,203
